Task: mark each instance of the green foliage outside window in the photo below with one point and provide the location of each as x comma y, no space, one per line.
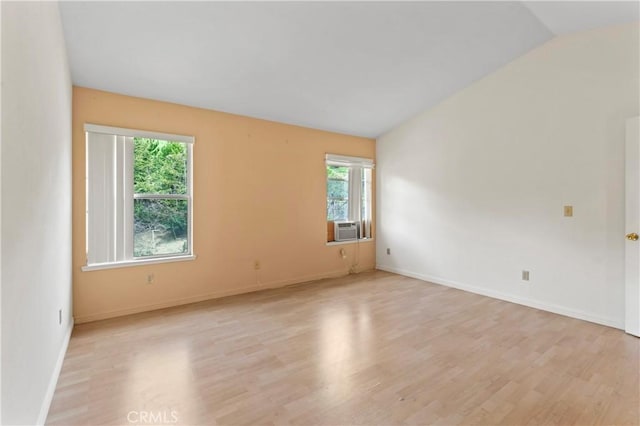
161,225
337,193
160,167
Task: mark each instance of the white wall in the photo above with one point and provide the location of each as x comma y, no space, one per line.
0,214
471,192
36,207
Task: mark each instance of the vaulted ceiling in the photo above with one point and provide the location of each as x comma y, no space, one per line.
351,67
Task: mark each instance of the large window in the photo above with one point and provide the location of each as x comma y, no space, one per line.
139,198
349,192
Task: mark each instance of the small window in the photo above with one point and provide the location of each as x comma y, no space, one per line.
139,198
349,193
337,193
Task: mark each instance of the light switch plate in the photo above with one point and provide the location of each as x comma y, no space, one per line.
568,211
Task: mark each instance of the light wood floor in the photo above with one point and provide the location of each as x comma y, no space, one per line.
373,348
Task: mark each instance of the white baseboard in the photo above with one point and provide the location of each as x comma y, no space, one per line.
532,303
53,380
80,319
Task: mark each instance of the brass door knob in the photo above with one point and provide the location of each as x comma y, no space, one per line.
632,236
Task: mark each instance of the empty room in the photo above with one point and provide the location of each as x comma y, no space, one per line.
320,213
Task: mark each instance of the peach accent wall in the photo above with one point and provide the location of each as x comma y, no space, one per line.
259,195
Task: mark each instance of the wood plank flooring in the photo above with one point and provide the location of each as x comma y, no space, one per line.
368,349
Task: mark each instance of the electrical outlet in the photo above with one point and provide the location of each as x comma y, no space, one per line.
256,265
60,316
525,275
343,253
568,211
388,250
150,278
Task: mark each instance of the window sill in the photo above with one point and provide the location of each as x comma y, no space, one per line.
338,243
139,262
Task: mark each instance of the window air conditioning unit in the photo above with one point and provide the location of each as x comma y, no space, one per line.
345,230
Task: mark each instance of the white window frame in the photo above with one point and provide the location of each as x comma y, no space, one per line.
113,247
358,168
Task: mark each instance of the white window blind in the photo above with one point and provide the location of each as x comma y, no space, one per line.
109,183
346,161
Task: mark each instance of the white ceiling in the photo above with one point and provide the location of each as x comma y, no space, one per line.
562,17
357,68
